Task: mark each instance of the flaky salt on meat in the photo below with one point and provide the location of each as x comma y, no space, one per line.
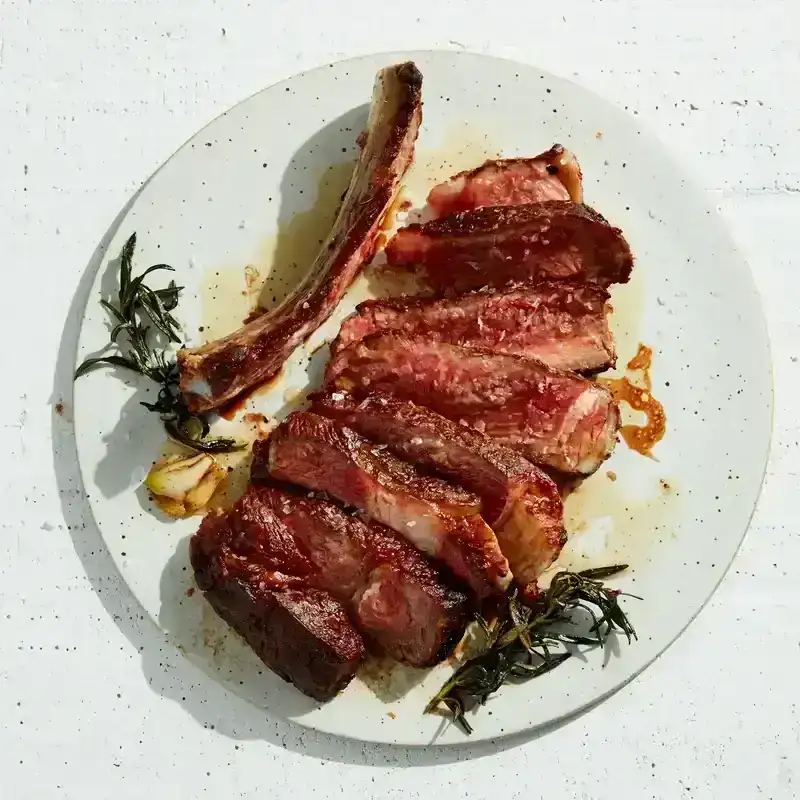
565,325
519,501
397,600
555,418
498,245
438,518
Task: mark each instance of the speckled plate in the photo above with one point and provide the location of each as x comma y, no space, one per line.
239,209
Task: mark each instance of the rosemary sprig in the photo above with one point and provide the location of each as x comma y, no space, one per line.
137,302
526,640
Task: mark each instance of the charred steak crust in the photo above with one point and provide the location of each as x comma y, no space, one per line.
497,219
217,372
495,245
519,501
554,418
301,633
394,596
552,175
440,519
563,324
428,439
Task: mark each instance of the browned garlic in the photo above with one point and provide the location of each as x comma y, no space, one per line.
183,485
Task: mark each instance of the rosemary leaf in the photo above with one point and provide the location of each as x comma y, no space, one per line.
137,282
159,316
118,315
114,361
126,267
457,711
204,444
525,672
169,296
484,625
569,638
601,573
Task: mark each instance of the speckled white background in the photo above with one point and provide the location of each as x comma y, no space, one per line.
94,95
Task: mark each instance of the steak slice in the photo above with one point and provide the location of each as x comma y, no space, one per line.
519,501
257,581
217,372
394,596
553,175
563,324
555,418
495,245
439,519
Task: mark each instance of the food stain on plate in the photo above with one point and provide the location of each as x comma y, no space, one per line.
638,396
628,302
622,512
285,258
389,680
612,519
233,294
226,300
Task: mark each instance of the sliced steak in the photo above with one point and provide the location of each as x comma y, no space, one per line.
254,577
439,519
553,175
395,597
217,372
554,418
563,324
495,245
519,501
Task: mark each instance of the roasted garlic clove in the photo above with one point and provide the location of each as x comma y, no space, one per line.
183,485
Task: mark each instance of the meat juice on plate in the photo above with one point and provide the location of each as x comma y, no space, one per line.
614,518
232,293
638,395
630,505
287,255
228,296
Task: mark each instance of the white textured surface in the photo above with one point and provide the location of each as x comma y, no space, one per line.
93,97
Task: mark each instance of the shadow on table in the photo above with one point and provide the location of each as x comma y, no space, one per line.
166,671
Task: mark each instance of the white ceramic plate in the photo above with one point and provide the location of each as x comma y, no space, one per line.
255,187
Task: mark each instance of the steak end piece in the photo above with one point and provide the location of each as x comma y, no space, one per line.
519,501
565,325
552,175
496,245
217,372
556,419
439,519
396,599
302,633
